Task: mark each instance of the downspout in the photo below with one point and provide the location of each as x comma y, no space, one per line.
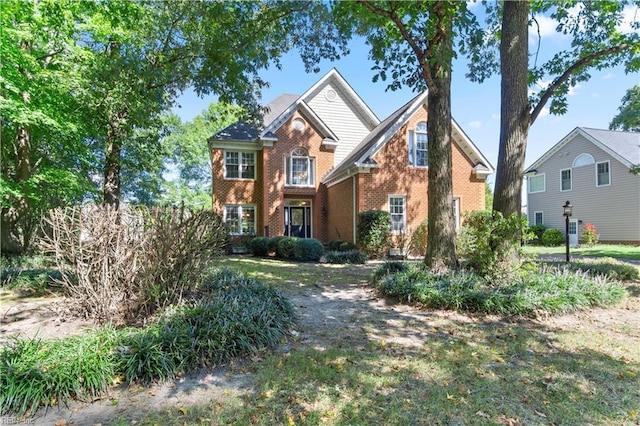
353,193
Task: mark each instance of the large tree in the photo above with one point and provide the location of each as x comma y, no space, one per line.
412,44
598,41
628,117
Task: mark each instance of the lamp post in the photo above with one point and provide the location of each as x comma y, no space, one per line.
567,209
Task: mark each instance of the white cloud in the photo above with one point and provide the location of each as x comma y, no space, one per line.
573,90
631,15
608,75
475,124
545,26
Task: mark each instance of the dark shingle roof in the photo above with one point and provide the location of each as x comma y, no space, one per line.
625,144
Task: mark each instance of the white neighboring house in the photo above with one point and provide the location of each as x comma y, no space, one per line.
591,168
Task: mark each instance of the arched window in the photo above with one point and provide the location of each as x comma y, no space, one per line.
418,154
300,168
583,160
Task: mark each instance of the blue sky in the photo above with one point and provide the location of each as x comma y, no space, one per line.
476,107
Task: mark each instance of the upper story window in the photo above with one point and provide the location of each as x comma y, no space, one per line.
603,173
239,165
300,168
537,183
398,210
565,180
583,160
418,154
241,219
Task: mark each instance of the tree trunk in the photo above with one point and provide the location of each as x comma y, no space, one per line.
514,110
441,237
112,165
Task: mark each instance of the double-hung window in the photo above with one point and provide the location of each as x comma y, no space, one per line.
603,174
565,180
239,165
398,211
538,218
418,153
300,168
240,219
536,183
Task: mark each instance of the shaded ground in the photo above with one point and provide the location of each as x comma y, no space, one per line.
330,314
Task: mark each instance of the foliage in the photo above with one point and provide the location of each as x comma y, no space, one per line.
339,245
272,245
36,372
31,275
235,315
628,117
487,244
373,232
308,249
286,247
552,237
389,268
117,265
536,232
531,293
589,234
348,256
608,267
488,197
258,246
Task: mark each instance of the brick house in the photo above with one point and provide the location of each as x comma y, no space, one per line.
323,157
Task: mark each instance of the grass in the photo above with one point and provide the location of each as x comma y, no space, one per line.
618,251
32,276
468,369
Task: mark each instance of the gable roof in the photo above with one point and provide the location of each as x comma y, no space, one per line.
623,146
362,155
279,110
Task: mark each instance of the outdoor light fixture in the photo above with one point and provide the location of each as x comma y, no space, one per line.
567,210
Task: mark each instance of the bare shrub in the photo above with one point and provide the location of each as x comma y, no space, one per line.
122,265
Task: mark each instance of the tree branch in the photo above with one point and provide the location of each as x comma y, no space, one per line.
420,54
584,62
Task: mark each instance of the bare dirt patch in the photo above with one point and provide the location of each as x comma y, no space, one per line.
330,314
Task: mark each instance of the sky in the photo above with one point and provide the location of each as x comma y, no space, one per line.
476,107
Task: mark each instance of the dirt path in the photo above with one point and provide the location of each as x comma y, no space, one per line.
329,315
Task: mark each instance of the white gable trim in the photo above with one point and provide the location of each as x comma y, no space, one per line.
575,132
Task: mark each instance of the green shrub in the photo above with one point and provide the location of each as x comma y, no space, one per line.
389,268
339,245
489,244
308,249
553,237
532,293
351,257
258,246
36,371
536,231
286,247
272,245
418,240
373,233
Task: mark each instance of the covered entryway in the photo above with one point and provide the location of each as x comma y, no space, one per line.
297,218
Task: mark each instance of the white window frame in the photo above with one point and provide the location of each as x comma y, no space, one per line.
570,180
243,165
583,160
419,131
535,217
456,212
608,174
240,210
392,213
544,183
296,156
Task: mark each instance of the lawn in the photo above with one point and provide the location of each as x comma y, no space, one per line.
618,251
386,363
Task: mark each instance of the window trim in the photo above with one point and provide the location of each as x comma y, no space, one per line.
608,163
240,164
543,176
413,144
311,169
570,180
535,222
404,212
240,208
589,160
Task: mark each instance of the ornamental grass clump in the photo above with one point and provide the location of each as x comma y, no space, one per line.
546,291
349,257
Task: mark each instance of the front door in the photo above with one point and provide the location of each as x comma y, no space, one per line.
573,232
297,221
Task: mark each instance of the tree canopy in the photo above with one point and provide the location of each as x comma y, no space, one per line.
628,117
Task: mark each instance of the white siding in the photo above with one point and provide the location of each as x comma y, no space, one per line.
613,209
341,117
